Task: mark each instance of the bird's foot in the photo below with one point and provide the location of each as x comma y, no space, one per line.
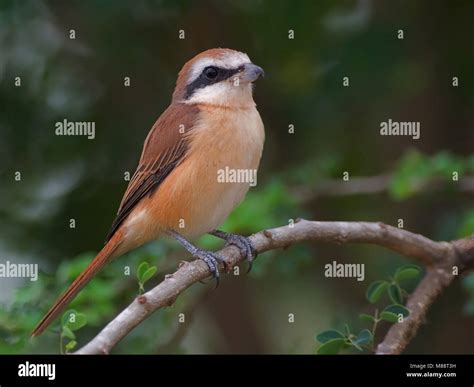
242,242
211,259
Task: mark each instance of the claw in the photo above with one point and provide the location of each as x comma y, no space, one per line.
250,267
211,259
207,282
243,243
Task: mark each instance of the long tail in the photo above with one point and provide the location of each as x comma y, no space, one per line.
104,257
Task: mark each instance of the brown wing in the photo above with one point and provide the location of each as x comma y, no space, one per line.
164,148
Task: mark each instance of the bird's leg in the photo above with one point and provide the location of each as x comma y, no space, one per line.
243,243
212,259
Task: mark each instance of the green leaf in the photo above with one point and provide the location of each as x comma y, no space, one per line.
148,274
445,163
413,171
375,290
328,335
71,345
66,316
389,316
397,309
367,318
407,272
467,224
76,321
395,294
348,330
331,347
142,268
66,332
364,337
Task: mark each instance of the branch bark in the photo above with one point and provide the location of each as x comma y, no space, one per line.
438,278
433,254
429,289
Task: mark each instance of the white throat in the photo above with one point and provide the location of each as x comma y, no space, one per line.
224,94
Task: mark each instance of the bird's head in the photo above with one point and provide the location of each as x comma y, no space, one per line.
218,76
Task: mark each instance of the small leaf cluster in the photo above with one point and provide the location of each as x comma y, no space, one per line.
415,170
144,273
71,321
334,341
395,292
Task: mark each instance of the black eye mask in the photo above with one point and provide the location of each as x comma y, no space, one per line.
203,80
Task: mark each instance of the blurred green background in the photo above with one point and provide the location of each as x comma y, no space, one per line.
336,129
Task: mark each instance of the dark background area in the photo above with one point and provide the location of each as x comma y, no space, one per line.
336,130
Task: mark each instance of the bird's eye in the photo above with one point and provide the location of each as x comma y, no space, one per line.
210,72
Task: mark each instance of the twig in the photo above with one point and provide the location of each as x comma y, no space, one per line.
431,253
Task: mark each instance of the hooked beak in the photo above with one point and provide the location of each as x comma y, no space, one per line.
251,73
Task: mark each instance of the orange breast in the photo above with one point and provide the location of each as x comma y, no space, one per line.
193,199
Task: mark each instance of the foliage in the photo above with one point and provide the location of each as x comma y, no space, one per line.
334,341
100,299
71,321
97,303
466,228
336,129
415,170
144,273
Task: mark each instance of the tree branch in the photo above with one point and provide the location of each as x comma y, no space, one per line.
428,290
430,287
428,252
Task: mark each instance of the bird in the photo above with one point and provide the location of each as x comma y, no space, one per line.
212,124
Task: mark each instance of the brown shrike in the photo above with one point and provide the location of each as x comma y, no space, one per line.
212,124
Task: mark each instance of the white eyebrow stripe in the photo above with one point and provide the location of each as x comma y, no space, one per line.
228,61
